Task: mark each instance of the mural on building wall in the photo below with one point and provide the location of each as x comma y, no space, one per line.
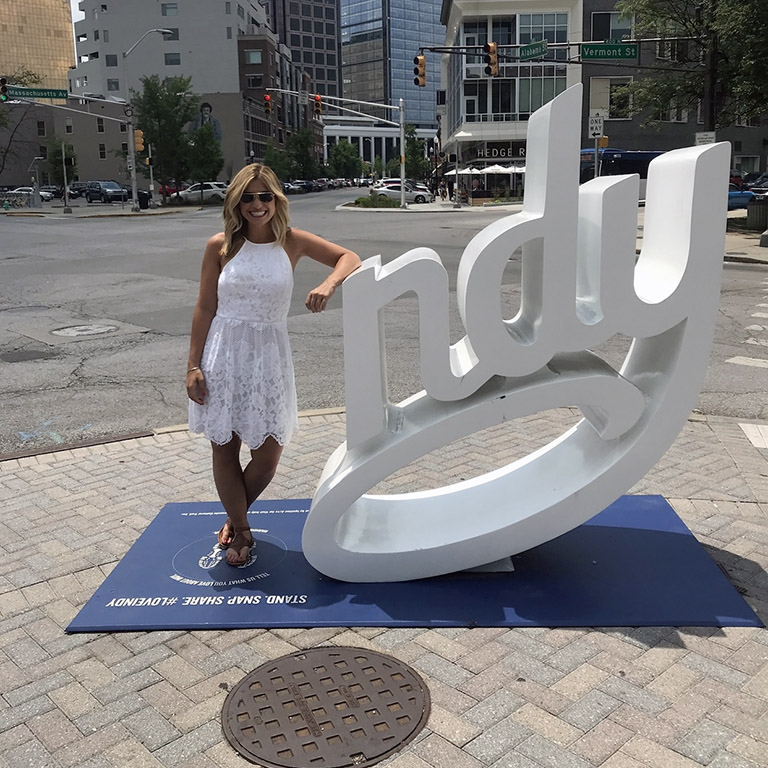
206,118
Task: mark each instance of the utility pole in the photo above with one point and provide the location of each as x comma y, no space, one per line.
708,10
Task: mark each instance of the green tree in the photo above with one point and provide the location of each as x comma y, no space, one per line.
722,67
416,164
205,158
163,110
378,166
13,117
54,162
299,149
344,161
278,161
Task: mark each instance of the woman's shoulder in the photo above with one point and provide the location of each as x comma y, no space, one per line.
217,240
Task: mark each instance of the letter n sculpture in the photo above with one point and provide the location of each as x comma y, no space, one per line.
581,284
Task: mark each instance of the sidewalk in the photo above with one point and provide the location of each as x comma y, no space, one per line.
501,698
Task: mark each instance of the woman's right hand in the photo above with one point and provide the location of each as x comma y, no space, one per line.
196,386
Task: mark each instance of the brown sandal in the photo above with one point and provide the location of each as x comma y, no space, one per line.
238,543
224,543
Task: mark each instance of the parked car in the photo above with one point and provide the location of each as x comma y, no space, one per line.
412,195
77,189
207,190
739,198
29,191
172,189
57,192
294,188
106,192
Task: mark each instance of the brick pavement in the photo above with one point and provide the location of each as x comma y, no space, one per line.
653,697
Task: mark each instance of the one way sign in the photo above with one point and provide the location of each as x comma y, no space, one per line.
595,126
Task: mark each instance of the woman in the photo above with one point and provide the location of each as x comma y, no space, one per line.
240,374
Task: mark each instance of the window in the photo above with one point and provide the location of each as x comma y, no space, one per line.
123,127
169,9
172,34
241,12
608,97
68,125
229,33
106,35
172,59
124,146
42,150
747,122
674,114
608,25
113,84
318,27
41,127
95,34
254,81
552,27
102,151
99,125
253,57
295,41
330,14
111,59
228,8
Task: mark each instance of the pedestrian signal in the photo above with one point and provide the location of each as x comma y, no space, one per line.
420,70
267,104
491,59
138,140
318,105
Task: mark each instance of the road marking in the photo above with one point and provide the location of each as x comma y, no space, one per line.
760,314
748,361
757,434
755,327
758,342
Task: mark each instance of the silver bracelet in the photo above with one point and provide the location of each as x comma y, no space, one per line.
196,368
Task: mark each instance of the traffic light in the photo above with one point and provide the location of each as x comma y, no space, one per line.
267,104
138,140
420,70
318,105
491,59
4,89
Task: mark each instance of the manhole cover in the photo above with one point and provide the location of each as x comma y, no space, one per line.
84,330
329,707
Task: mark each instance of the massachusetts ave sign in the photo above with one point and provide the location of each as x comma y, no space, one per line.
17,92
596,51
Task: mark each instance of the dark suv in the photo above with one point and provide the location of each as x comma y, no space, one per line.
77,189
106,192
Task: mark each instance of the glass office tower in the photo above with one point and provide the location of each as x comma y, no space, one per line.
379,39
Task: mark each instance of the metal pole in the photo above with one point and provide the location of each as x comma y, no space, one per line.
67,209
597,162
132,165
151,179
402,154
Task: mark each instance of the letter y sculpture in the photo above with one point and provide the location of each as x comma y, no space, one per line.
581,284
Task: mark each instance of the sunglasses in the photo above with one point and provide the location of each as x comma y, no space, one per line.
264,197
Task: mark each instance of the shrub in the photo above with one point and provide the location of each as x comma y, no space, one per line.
376,202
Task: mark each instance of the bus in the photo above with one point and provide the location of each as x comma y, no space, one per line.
617,162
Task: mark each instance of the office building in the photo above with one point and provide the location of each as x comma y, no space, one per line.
310,29
379,39
37,36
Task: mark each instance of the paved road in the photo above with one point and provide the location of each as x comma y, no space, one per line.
139,276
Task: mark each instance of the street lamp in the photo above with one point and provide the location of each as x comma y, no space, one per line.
131,139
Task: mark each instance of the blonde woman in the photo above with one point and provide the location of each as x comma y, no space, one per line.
240,373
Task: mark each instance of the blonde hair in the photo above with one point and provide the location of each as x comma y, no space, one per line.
235,227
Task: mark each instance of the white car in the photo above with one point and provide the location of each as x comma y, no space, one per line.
211,190
412,194
29,191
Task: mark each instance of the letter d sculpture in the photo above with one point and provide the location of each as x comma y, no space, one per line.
581,284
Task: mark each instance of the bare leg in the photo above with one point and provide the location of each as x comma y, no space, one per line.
261,468
230,484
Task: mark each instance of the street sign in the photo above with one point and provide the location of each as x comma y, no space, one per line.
705,137
18,92
598,51
596,124
533,50
303,98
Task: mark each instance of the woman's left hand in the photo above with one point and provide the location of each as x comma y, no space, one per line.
317,299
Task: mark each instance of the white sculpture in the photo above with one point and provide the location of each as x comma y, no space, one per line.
580,286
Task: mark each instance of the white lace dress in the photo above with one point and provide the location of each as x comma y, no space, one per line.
247,364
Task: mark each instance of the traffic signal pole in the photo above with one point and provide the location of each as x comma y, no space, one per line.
402,154
132,165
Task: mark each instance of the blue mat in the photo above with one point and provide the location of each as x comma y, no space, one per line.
634,564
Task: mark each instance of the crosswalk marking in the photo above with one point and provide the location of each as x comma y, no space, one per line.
748,361
757,342
760,314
